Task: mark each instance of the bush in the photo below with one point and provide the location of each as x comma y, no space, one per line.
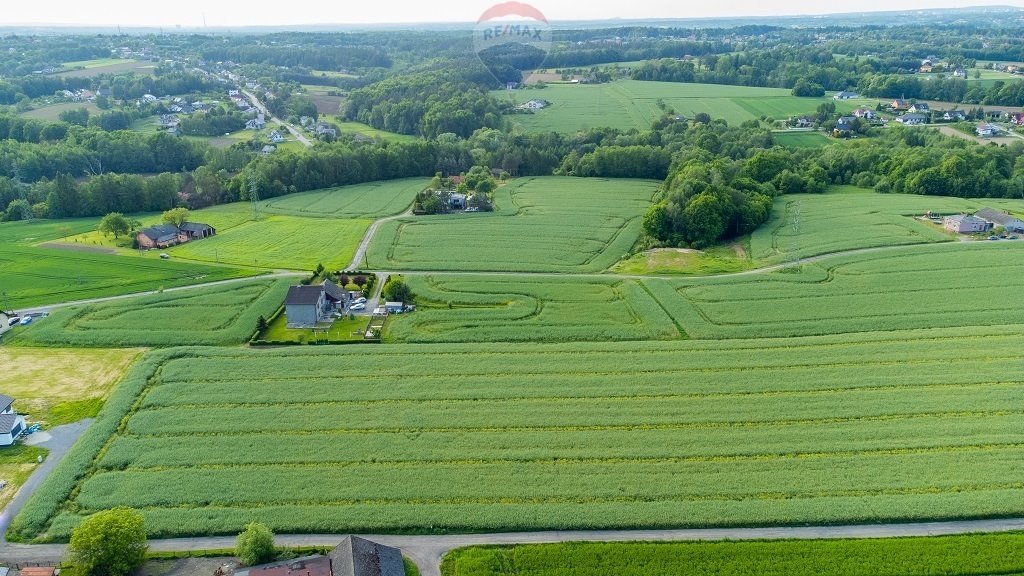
109,543
255,545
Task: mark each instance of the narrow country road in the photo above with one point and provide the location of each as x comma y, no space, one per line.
50,307
360,254
427,551
271,118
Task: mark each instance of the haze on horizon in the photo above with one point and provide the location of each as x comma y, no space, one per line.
197,13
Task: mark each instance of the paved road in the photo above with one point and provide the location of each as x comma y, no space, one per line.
271,118
50,307
360,254
60,441
427,551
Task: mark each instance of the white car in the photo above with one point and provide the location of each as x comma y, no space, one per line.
359,300
358,306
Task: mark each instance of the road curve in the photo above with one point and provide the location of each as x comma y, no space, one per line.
427,551
368,237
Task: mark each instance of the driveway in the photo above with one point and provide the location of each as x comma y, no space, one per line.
58,441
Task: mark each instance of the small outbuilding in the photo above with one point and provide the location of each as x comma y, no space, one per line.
394,307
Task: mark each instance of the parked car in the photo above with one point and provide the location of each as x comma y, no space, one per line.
25,321
359,306
359,300
13,320
993,237
164,255
1013,236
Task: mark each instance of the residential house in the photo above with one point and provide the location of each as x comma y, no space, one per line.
233,93
276,137
305,121
899,104
865,113
457,201
305,306
804,122
987,130
323,130
197,230
845,125
912,119
844,95
354,556
925,68
954,116
920,108
963,224
959,73
160,236
998,218
12,424
267,150
256,123
1017,118
534,105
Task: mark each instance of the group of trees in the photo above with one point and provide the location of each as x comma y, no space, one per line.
213,122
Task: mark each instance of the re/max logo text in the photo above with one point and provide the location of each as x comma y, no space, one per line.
513,30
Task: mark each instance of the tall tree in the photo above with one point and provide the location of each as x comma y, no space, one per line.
109,543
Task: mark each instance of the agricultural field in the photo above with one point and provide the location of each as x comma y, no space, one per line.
56,387
346,127
596,435
217,315
371,200
627,104
326,98
548,224
529,309
52,112
973,554
37,275
901,289
794,139
93,68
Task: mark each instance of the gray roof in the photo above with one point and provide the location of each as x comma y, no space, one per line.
5,402
359,557
334,292
921,106
195,227
303,295
159,232
7,422
996,217
965,218
914,117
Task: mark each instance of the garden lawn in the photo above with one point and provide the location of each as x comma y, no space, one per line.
542,224
529,309
35,276
876,427
973,554
215,315
60,386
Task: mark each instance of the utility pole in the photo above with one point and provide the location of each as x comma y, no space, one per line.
795,228
254,197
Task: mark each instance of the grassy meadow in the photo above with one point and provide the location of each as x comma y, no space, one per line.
52,112
218,315
794,139
539,224
371,200
347,127
36,275
972,554
626,104
615,435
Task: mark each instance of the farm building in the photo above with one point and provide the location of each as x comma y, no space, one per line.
899,104
963,224
305,306
997,218
394,307
12,424
457,201
844,95
166,235
352,557
912,119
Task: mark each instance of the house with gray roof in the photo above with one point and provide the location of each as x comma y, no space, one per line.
160,236
12,424
306,306
999,218
354,556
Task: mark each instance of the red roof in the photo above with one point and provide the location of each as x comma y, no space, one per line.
40,571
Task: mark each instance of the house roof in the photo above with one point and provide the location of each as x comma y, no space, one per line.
303,295
358,557
159,232
318,566
38,571
195,227
996,217
906,117
7,422
920,106
966,219
333,291
5,402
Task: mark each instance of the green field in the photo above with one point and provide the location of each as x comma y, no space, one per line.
530,309
346,127
540,224
35,276
627,104
472,437
372,200
796,139
220,315
953,555
53,111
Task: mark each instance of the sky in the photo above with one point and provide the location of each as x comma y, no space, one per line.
190,13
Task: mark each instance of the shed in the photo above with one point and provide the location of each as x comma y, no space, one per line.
394,307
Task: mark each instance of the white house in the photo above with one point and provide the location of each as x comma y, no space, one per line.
534,105
12,424
844,95
276,137
963,224
913,119
987,130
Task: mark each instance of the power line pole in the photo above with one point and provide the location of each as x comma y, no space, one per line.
795,229
254,197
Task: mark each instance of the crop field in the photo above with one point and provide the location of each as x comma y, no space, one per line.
973,554
92,68
802,139
371,200
901,289
849,218
53,111
539,224
346,127
35,276
497,308
473,437
627,104
61,386
322,97
218,315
